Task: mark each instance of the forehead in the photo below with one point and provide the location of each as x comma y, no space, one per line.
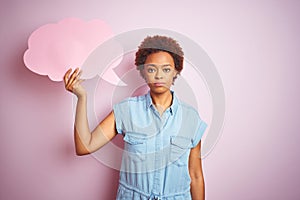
160,57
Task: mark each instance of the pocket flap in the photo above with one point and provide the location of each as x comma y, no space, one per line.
133,140
182,142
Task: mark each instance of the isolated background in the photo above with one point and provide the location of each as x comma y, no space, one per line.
255,46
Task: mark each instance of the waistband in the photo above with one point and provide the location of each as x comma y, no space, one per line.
152,196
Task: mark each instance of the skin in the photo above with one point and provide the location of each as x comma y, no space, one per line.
159,73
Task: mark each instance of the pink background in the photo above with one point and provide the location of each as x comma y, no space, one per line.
255,46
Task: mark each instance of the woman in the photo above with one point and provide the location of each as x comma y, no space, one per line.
161,157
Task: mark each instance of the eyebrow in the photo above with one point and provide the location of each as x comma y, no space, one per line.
153,65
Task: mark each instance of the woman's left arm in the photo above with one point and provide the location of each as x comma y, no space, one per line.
196,174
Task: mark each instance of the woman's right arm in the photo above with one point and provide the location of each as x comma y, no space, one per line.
86,141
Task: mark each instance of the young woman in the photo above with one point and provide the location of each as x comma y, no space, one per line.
161,157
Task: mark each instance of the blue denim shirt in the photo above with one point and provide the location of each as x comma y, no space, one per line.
157,148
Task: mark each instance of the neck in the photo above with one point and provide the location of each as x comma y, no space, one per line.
161,100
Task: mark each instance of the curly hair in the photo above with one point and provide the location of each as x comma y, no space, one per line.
158,43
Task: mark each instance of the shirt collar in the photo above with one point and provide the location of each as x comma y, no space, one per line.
173,107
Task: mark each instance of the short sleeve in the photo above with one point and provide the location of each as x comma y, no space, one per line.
199,132
118,113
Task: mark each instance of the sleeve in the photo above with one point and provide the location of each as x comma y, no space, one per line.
201,127
118,113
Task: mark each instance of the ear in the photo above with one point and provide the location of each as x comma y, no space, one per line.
175,74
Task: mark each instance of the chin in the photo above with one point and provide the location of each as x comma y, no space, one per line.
159,90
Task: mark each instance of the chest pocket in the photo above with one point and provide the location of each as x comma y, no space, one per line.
179,150
135,148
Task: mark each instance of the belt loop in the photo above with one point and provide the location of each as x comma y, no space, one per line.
153,197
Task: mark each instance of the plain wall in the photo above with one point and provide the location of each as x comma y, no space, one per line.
255,46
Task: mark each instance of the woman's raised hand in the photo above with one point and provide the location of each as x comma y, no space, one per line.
73,82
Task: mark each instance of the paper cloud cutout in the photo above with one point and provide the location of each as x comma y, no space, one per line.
54,48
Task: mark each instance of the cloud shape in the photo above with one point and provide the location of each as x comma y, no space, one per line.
54,48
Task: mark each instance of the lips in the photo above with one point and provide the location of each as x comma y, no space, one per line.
159,84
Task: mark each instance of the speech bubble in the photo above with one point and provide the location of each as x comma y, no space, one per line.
54,48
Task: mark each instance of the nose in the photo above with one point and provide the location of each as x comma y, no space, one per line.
159,74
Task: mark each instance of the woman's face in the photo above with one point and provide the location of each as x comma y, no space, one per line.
159,71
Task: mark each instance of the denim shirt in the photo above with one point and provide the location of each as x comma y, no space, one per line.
157,147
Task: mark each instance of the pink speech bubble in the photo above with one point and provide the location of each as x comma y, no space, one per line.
54,48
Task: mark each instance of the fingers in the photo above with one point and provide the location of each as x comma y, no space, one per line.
73,75
79,74
73,79
77,80
66,76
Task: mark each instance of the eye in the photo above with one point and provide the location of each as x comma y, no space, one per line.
150,70
166,70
